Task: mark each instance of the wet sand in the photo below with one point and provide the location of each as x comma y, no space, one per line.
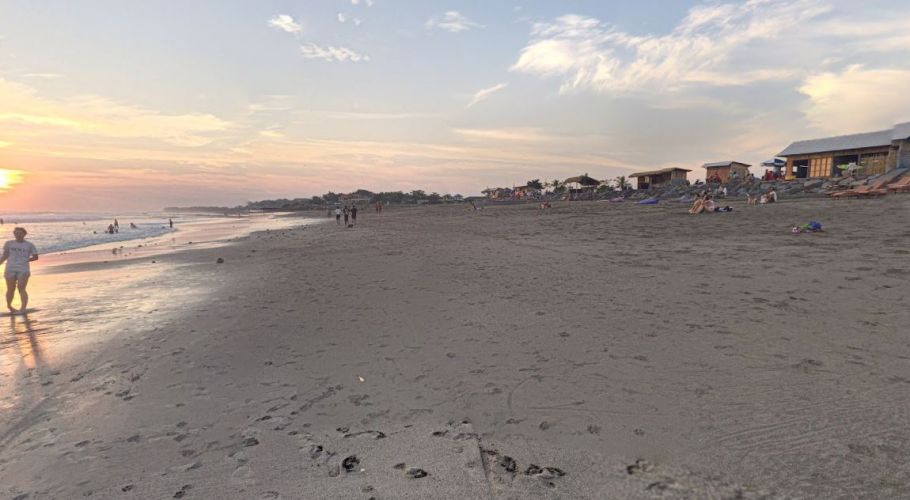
591,351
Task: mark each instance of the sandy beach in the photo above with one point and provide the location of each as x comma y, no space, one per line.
594,350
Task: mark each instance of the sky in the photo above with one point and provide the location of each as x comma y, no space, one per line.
119,105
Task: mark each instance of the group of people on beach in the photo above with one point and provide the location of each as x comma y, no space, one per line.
349,214
705,203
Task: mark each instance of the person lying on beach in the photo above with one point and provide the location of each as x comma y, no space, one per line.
18,254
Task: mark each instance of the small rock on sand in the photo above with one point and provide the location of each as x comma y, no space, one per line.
350,463
416,473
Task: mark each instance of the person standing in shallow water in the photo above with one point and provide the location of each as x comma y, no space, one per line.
18,255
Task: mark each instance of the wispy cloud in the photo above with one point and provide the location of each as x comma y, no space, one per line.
44,76
332,54
483,94
519,134
344,18
589,54
453,22
99,117
355,115
286,23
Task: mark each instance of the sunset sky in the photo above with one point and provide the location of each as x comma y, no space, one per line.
112,105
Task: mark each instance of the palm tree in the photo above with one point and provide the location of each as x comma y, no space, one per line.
622,183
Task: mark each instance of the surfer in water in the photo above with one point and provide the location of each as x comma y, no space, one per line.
18,254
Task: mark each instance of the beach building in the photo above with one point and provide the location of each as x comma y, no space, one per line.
498,193
581,187
722,171
522,192
872,152
658,178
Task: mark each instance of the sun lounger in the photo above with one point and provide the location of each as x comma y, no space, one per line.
900,185
877,188
860,192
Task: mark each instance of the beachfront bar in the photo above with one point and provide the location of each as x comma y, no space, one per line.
870,153
658,178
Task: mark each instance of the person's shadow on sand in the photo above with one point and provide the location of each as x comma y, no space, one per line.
22,325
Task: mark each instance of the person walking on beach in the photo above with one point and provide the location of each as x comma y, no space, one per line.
338,215
346,215
18,254
354,215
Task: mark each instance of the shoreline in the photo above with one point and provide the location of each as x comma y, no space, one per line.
612,347
81,301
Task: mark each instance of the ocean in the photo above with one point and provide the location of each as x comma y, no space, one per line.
53,233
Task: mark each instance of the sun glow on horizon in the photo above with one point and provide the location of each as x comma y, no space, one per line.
9,178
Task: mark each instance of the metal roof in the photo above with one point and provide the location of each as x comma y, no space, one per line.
658,172
901,132
876,139
724,164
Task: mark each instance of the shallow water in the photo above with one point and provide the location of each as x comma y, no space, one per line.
80,299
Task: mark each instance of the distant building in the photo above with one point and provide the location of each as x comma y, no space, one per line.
657,178
498,193
722,171
522,192
873,152
581,187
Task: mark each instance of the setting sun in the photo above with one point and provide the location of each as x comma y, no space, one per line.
9,178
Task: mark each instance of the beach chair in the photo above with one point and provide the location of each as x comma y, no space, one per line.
900,185
860,192
864,191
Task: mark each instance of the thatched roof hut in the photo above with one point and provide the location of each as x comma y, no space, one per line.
582,180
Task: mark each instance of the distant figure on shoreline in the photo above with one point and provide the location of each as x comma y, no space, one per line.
110,229
378,207
347,214
18,254
354,215
133,226
171,223
116,226
338,215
